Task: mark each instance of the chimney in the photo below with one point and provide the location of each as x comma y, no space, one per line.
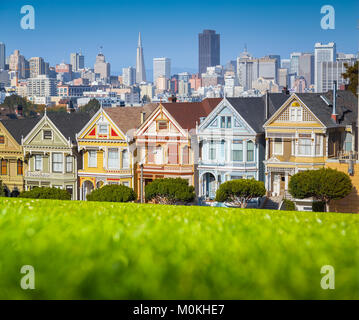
334,114
267,105
143,114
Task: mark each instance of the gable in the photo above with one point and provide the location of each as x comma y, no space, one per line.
7,141
225,117
294,113
161,123
101,127
45,134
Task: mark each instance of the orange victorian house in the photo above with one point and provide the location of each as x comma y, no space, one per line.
165,141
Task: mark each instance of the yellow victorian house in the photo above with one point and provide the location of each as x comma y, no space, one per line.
107,147
306,131
11,154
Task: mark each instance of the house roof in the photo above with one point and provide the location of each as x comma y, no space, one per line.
321,104
252,109
20,127
127,118
188,113
69,123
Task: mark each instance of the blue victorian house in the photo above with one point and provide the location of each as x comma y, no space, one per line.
231,141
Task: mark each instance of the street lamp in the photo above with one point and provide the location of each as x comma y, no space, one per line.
141,179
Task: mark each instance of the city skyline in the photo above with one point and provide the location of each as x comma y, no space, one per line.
119,46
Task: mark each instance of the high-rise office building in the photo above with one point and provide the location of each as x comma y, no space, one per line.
37,66
129,76
322,53
329,72
208,50
2,56
77,60
41,86
102,68
18,63
161,68
306,68
294,62
140,62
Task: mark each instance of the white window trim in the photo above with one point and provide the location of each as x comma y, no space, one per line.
72,164
311,148
103,124
118,159
282,147
254,151
88,159
42,163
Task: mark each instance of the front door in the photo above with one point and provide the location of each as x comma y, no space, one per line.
276,184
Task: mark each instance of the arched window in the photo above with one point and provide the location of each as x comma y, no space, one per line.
250,151
125,159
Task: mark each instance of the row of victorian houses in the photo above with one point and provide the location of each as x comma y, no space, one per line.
267,138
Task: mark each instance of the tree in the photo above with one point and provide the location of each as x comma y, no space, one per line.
351,74
112,193
169,191
29,109
91,107
324,185
240,192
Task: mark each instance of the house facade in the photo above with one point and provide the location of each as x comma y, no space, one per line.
107,146
12,163
231,141
305,133
166,142
51,153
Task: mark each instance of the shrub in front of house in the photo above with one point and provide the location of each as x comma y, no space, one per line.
318,206
240,191
46,193
289,205
112,193
170,191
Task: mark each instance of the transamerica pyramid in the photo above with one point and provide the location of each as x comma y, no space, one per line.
140,63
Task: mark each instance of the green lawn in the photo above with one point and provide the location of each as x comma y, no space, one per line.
90,250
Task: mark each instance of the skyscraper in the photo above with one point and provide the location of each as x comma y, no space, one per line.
208,50
322,53
2,56
306,67
294,62
37,66
102,68
129,76
161,67
77,60
140,63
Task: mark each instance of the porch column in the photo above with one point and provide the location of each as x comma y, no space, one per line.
286,180
267,141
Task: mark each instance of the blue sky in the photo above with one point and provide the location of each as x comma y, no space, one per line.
170,28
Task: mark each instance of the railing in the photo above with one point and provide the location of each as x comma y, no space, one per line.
347,155
36,174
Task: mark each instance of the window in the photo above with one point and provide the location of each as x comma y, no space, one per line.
113,159
57,162
103,129
250,151
20,167
318,145
348,142
2,139
69,189
305,147
38,162
185,155
162,125
277,146
236,177
226,122
212,151
47,134
237,150
125,159
172,153
126,183
3,167
69,164
92,159
296,113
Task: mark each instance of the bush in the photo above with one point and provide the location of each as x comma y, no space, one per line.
46,193
2,191
112,193
289,205
324,185
318,206
239,192
169,191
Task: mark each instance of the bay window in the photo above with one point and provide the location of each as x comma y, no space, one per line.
57,162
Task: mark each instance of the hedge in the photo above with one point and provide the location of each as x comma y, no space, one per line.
112,193
46,193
